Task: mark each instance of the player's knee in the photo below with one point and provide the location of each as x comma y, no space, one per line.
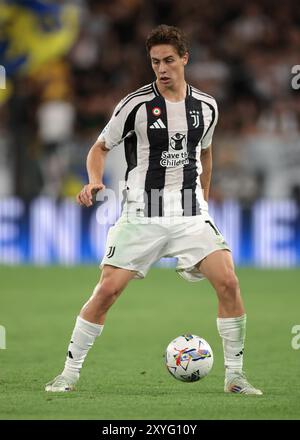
108,289
229,284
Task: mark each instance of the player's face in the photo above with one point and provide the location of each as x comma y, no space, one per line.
168,65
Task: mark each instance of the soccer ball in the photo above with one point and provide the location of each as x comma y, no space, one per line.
189,358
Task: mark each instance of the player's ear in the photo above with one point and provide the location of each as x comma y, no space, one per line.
185,58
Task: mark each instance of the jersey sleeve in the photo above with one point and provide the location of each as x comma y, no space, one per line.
115,131
207,138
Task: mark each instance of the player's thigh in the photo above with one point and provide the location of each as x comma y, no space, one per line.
218,268
117,277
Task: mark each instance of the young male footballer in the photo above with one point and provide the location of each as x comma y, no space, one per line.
167,130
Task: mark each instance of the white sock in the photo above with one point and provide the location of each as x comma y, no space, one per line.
83,337
233,332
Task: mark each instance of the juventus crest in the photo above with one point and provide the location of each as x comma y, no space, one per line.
195,114
111,251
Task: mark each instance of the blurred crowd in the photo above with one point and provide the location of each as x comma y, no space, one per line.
62,92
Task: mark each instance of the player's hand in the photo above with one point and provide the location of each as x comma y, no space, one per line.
88,193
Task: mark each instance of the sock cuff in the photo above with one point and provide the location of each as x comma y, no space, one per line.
90,327
232,329
236,320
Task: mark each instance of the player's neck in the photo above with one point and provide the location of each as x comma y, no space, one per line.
174,93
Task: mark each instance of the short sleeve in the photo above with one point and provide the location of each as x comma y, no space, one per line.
114,132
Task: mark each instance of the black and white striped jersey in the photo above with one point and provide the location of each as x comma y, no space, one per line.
163,141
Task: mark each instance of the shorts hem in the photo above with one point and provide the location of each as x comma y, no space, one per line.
191,273
138,276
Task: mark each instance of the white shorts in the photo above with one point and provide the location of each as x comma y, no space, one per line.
135,243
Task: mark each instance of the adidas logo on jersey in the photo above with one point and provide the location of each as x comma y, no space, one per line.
158,124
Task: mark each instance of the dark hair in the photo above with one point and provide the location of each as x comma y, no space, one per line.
164,34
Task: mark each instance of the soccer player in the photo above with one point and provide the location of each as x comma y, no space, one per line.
167,130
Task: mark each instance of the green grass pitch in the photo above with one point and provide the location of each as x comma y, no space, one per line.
124,376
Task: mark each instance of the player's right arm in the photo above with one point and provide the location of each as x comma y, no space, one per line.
95,167
118,128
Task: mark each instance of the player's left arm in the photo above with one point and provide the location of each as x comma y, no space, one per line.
205,178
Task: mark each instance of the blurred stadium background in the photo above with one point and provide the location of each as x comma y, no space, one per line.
67,64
